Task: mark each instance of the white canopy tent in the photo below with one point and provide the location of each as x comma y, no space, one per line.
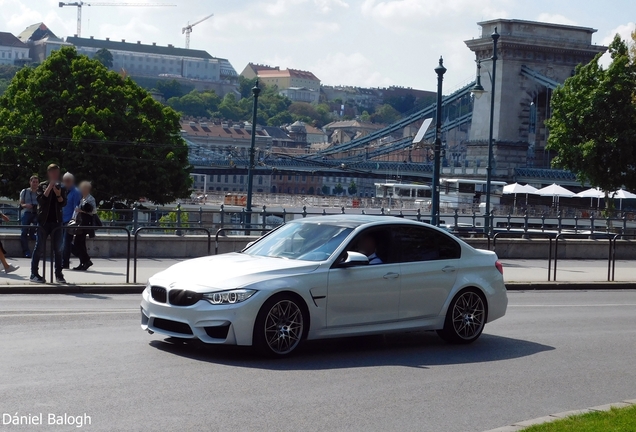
516,188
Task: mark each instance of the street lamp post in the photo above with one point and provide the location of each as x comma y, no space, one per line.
250,169
477,91
440,70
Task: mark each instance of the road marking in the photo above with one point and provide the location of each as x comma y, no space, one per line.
575,305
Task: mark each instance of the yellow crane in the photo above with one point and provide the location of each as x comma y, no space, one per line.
188,29
80,4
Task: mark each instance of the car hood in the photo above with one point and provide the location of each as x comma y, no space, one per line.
227,271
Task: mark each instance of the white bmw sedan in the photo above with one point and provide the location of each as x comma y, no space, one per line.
330,276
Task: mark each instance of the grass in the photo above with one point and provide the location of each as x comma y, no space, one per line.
615,420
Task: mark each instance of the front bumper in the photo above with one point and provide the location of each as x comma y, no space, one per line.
213,324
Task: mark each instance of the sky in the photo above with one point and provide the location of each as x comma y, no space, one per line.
369,43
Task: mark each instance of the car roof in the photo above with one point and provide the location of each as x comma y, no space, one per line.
356,220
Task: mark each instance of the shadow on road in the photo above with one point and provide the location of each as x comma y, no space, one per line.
417,349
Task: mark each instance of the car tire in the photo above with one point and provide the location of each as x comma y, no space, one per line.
280,326
465,318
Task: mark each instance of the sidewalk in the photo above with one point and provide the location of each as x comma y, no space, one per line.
113,272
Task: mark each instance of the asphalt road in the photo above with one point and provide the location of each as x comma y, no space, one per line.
554,351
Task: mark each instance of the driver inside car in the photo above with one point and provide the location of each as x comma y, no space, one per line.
366,245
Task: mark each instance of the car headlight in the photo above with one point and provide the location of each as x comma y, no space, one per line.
229,297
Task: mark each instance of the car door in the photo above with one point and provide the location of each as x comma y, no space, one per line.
429,263
366,294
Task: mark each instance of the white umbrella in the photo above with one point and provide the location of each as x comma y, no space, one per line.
591,194
516,188
554,190
622,194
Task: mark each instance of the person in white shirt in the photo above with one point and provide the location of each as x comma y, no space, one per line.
366,245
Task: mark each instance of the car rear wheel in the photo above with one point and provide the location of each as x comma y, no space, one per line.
280,326
465,318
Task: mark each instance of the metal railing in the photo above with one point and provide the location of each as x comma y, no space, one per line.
63,229
221,230
176,229
549,236
613,253
582,236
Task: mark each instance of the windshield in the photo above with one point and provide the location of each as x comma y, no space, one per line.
301,241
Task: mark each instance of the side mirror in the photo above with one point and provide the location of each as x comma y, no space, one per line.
354,259
248,245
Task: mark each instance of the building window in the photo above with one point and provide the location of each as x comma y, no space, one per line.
304,178
260,180
218,178
241,180
227,178
234,179
288,178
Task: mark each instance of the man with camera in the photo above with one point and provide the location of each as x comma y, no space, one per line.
51,201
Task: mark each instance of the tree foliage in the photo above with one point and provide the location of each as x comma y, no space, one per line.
196,104
593,124
385,114
170,89
73,111
105,57
353,188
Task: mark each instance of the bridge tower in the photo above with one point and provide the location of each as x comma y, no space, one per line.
534,57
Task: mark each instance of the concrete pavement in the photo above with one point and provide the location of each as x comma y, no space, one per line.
552,352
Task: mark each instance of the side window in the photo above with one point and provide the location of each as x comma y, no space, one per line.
376,243
426,244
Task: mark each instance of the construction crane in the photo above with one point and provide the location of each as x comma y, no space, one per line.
188,29
80,4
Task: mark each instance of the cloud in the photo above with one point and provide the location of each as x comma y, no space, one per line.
349,69
624,31
555,19
326,6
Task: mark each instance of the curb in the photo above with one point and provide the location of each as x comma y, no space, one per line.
72,289
546,286
519,426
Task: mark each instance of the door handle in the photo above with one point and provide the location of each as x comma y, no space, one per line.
391,276
448,269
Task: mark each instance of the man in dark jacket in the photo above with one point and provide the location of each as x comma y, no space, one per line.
51,201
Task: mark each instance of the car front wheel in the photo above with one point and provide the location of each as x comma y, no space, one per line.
465,318
279,327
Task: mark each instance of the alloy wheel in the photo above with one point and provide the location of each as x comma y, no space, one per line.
468,315
283,327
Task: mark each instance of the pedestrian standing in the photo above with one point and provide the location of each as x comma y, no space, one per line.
29,206
73,198
84,216
8,268
51,201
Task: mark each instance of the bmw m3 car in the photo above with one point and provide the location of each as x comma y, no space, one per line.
330,276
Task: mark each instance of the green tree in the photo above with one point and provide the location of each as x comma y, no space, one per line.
95,124
196,104
593,123
105,57
353,188
365,116
245,86
229,109
385,114
280,119
401,104
170,89
338,189
325,190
